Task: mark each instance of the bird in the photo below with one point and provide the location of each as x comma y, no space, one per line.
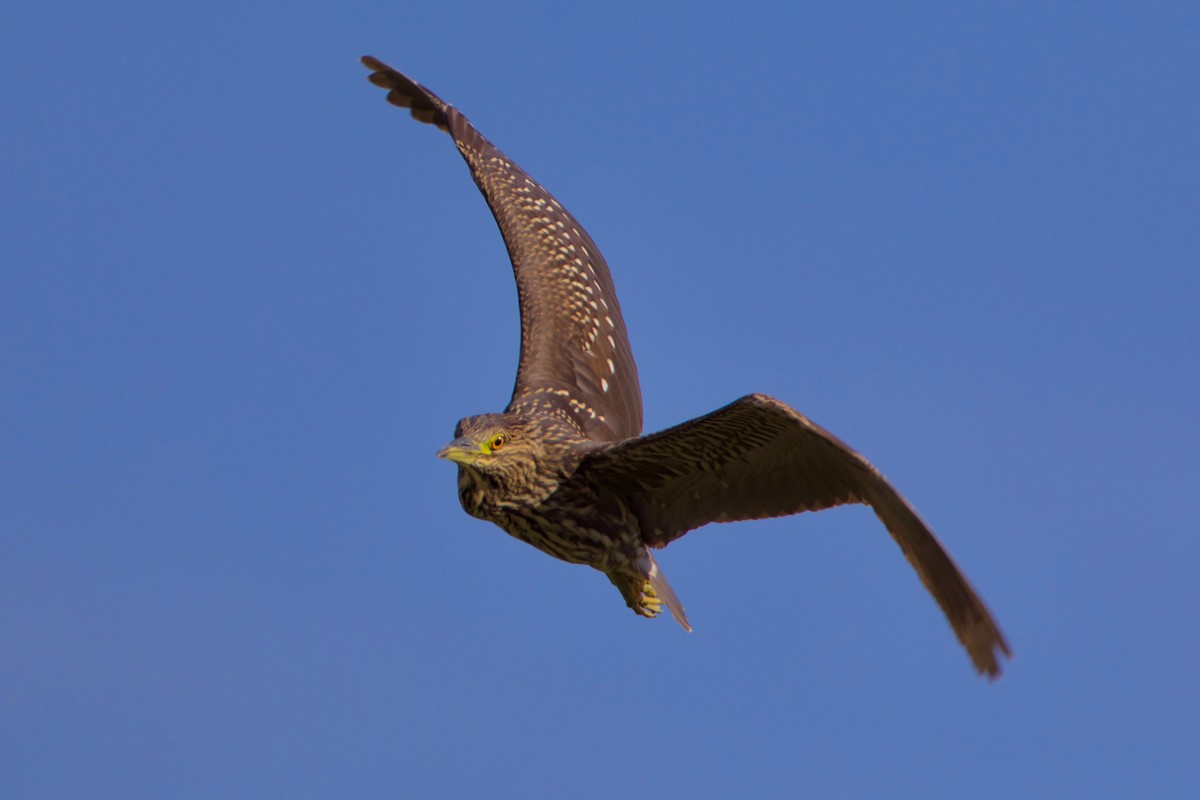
565,467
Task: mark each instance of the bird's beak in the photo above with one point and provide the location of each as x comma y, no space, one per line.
461,451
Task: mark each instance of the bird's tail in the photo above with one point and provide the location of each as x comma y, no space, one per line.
663,589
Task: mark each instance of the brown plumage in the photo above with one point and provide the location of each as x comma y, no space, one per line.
564,467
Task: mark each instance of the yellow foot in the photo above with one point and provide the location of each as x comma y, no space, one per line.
649,603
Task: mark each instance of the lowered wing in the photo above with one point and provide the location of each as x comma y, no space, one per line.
758,457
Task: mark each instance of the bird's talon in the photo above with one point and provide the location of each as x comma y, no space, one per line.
649,604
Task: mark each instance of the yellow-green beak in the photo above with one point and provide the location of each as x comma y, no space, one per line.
461,451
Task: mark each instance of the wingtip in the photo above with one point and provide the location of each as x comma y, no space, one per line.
374,64
987,647
404,92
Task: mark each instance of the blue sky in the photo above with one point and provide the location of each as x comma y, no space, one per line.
243,301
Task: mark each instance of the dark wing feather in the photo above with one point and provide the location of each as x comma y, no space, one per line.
573,341
757,458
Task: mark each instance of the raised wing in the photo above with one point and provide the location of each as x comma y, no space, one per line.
573,342
758,457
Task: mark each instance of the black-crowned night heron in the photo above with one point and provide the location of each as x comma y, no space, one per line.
564,467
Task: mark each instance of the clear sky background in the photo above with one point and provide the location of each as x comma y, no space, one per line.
243,301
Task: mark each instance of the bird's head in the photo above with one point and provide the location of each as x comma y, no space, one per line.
490,442
511,459
501,463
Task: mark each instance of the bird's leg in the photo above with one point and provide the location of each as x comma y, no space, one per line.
638,593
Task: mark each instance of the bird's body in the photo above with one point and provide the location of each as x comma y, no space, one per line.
564,467
544,499
533,502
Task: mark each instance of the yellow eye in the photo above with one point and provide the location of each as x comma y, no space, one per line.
498,441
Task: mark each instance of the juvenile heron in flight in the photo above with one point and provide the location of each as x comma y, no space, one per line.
565,468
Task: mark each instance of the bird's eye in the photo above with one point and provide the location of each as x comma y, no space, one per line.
498,441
